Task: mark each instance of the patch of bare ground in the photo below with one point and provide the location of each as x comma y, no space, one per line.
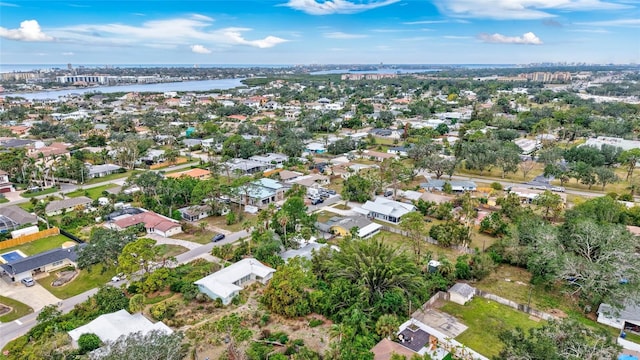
198,319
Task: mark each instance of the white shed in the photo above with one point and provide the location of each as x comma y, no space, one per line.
460,293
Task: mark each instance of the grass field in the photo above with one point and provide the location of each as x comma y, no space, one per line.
43,192
171,250
84,281
40,245
198,237
405,244
486,320
3,200
93,193
19,309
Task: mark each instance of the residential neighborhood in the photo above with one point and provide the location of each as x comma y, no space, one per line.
444,216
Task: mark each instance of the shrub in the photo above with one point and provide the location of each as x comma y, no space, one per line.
315,322
164,310
88,342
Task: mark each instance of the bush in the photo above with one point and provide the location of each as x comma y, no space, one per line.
164,310
496,186
88,342
315,322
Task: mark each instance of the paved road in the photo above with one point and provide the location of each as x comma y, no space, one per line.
14,329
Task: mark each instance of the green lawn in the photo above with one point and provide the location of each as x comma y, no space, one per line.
93,193
84,281
43,192
171,250
486,319
633,337
26,206
40,245
19,309
3,200
405,244
200,237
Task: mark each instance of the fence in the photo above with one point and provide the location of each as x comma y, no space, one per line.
178,161
29,238
515,305
439,296
427,239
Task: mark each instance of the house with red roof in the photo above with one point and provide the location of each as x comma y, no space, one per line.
153,223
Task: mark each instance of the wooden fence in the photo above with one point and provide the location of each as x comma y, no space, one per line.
29,238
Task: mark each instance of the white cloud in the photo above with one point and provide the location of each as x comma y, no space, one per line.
618,22
591,31
166,33
29,30
422,22
341,35
68,53
199,49
8,4
526,39
313,7
521,9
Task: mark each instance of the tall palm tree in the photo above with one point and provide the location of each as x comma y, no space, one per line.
283,220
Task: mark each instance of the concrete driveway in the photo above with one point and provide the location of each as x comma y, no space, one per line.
440,321
35,296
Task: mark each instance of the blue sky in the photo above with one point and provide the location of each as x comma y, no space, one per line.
319,32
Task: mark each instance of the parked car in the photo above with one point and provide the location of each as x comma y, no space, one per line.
118,277
28,282
217,238
316,201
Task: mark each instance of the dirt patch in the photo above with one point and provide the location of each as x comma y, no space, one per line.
557,313
64,277
4,309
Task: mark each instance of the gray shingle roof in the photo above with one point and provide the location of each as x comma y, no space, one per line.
18,215
42,259
67,203
463,289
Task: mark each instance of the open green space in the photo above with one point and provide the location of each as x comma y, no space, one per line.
18,309
38,193
40,245
633,337
3,200
93,277
168,251
93,193
485,320
404,244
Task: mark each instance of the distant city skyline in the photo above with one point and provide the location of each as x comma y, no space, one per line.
320,32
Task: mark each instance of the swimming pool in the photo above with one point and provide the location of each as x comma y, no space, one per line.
11,256
627,357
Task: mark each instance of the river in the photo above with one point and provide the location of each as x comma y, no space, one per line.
199,85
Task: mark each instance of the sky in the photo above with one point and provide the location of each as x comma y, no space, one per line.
299,32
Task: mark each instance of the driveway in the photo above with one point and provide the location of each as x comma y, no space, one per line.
35,296
169,241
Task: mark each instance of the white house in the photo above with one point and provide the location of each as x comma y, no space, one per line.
620,318
386,209
109,327
226,283
460,293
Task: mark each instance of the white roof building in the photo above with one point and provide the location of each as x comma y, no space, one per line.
110,327
386,209
226,283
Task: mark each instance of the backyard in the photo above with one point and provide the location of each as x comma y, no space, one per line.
486,320
84,281
18,309
40,245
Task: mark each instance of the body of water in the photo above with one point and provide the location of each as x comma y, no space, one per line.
202,85
4,68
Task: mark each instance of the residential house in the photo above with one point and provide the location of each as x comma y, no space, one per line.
197,173
195,212
377,155
341,226
458,186
304,251
386,348
271,159
97,171
315,148
528,196
153,156
312,181
245,166
153,223
227,283
70,204
386,210
13,217
110,327
41,264
627,317
260,193
289,176
402,151
5,185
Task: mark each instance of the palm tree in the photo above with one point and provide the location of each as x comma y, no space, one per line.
283,220
387,325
